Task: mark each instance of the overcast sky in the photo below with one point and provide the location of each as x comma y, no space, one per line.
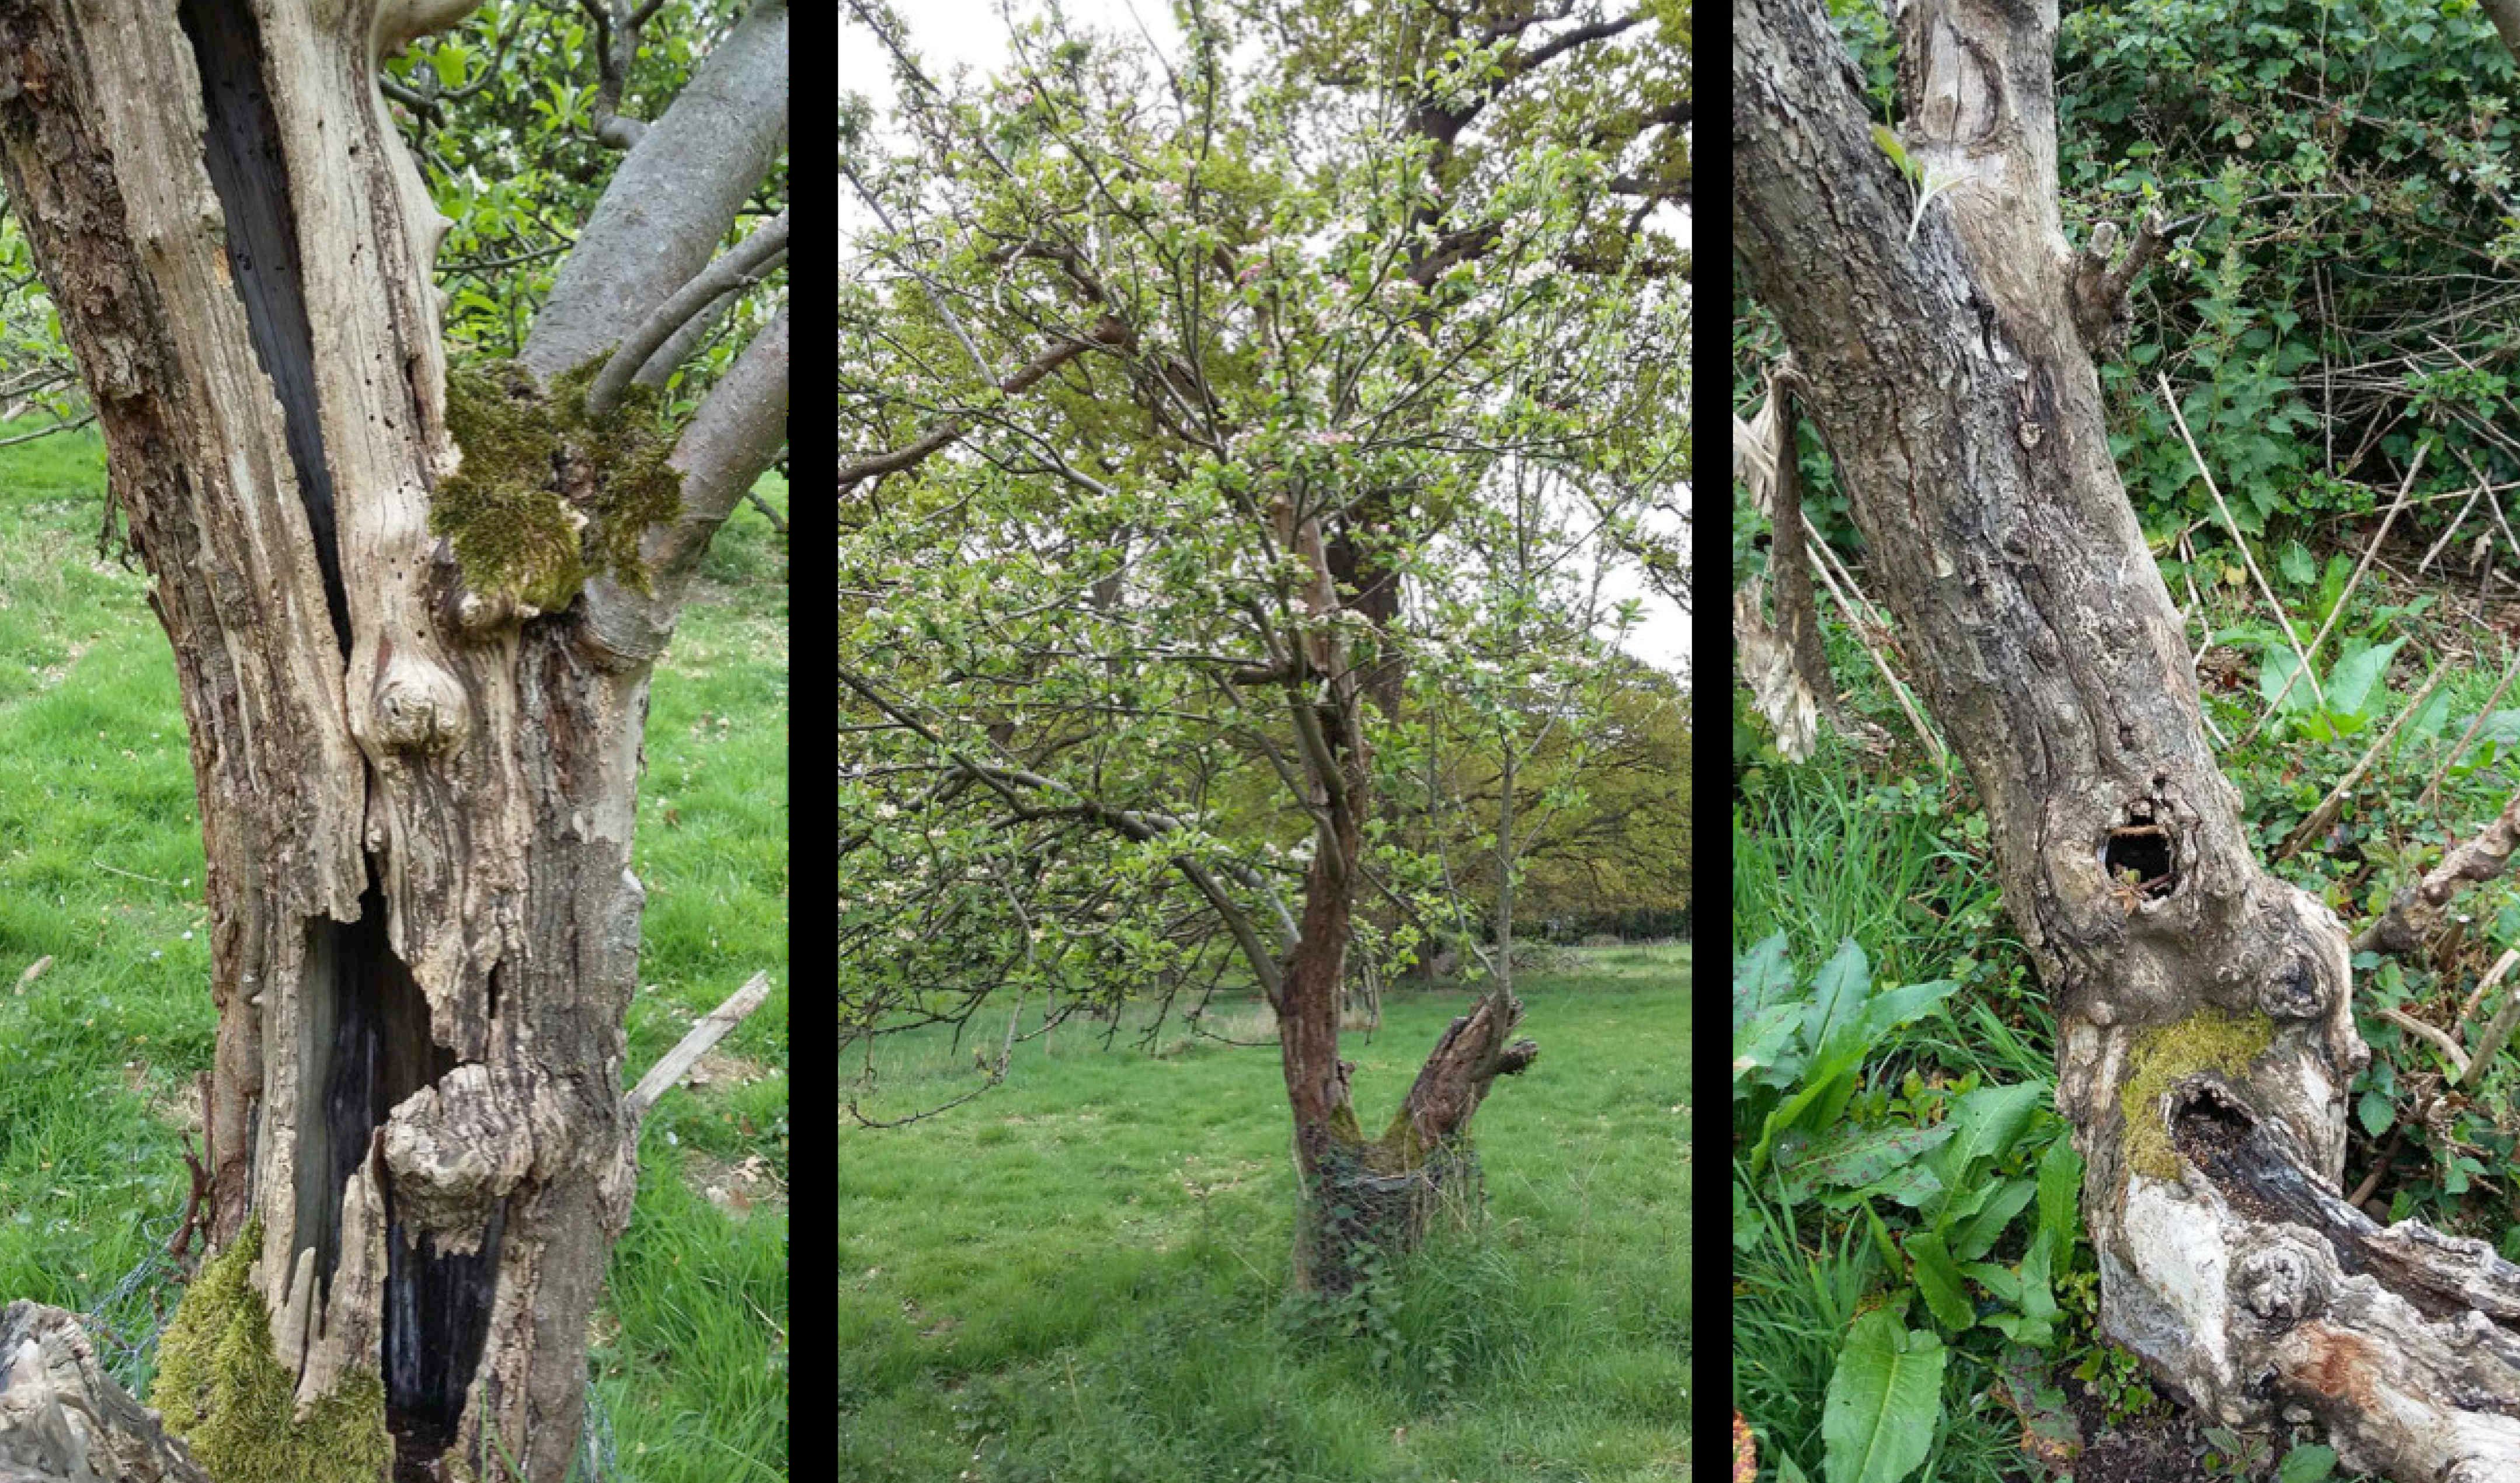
947,34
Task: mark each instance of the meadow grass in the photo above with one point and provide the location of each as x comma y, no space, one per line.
1082,1273
101,869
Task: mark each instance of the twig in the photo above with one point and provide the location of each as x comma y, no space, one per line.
132,875
712,1028
2205,622
2425,798
2326,814
2456,522
1933,744
2380,1167
2490,1044
2333,614
34,970
2232,525
2441,1040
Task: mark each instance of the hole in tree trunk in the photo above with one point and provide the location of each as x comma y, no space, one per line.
366,1044
437,1318
2137,855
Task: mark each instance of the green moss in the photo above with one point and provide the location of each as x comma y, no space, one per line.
536,464
234,1403
2210,1040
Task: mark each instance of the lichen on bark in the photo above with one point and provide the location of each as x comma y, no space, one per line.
548,493
220,1387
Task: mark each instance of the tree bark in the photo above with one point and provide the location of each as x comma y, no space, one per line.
1362,1197
424,932
63,1419
2206,1037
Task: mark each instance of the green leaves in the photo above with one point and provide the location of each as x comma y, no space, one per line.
1938,1277
1884,1401
1810,1045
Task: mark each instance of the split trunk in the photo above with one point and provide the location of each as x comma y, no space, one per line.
417,820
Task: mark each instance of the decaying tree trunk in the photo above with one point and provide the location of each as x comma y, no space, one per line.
416,796
63,1419
2206,1039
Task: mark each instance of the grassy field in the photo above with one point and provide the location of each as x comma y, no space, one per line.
1081,1276
100,868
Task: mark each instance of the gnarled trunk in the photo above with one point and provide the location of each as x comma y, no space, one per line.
416,804
2206,1037
1362,1197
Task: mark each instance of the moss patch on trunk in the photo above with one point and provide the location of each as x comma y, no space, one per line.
549,494
222,1390
2210,1040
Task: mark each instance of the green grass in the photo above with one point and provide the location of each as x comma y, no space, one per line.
101,867
1081,1274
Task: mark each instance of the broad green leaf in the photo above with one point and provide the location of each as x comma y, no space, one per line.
2350,687
1767,1049
2002,1282
1827,1080
1938,1277
2280,666
1787,1471
2298,568
1883,1402
1892,1008
1897,152
1984,1123
2060,1187
2430,721
2307,1465
1761,977
1858,1159
2375,1113
1838,994
1976,1239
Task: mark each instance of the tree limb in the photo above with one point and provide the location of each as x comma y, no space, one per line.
673,199
739,268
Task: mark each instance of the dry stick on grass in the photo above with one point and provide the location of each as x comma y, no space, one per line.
2204,621
1855,624
2347,596
712,1028
2456,522
2432,789
2414,911
2229,523
2439,1038
2328,807
2491,1042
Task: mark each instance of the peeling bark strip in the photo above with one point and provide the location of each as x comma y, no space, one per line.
2205,1034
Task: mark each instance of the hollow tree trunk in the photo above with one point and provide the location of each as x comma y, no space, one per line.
2206,1037
417,819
